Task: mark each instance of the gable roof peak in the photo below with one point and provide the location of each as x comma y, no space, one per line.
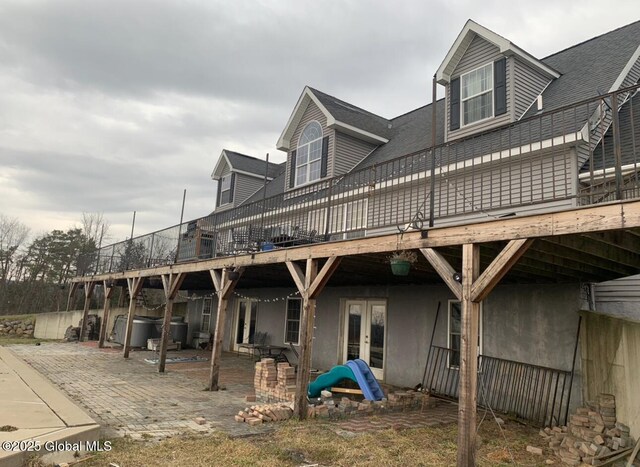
241,163
340,115
471,30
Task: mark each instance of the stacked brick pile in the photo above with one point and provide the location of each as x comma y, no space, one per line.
257,414
274,383
345,407
592,434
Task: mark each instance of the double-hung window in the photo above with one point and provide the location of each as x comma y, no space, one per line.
292,323
205,323
309,154
455,331
476,92
225,189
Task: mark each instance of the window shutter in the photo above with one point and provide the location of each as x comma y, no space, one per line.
454,104
500,86
292,170
325,157
231,188
219,192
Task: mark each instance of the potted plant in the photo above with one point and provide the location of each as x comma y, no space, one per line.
401,262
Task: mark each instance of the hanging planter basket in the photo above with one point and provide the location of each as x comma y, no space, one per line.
400,267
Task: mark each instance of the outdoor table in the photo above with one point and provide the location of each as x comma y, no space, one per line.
272,351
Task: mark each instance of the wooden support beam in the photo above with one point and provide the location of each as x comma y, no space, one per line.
444,269
88,292
468,358
309,284
72,292
224,288
498,268
135,286
324,275
171,284
108,293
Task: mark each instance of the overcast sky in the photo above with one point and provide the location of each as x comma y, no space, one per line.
114,106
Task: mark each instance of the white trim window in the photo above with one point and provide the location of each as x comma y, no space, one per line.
205,322
292,321
309,154
225,189
476,94
454,332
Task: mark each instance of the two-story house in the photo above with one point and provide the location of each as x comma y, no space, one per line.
516,139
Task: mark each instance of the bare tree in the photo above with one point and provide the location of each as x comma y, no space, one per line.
13,234
95,227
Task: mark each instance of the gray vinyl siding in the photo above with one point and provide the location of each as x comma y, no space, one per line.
528,84
349,152
479,53
626,289
313,112
246,186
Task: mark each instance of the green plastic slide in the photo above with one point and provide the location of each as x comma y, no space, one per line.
327,380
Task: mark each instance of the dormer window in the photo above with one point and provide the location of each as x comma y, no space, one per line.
476,89
225,189
478,95
309,154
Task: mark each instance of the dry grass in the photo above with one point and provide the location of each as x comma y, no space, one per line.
13,340
295,444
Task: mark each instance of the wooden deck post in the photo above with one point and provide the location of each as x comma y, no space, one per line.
471,292
309,284
224,288
72,293
88,292
468,358
108,293
171,283
135,286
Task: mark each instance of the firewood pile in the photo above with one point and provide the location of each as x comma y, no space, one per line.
593,436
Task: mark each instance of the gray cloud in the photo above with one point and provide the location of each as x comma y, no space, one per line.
117,105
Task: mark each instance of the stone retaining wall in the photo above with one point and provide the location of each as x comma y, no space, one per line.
16,327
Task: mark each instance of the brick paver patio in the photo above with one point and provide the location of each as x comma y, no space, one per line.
129,397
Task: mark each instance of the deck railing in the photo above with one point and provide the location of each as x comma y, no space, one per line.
553,160
534,393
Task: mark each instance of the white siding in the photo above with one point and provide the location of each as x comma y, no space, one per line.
626,289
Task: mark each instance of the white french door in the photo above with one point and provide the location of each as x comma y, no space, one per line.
365,333
245,324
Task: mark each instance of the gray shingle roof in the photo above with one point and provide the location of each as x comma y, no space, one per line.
588,69
354,116
252,165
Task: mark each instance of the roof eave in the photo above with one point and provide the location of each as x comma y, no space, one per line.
355,132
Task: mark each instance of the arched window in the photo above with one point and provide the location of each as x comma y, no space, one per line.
309,154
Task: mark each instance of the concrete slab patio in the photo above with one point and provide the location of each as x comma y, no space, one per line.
39,415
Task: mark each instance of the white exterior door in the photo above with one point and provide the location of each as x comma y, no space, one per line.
245,326
365,333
